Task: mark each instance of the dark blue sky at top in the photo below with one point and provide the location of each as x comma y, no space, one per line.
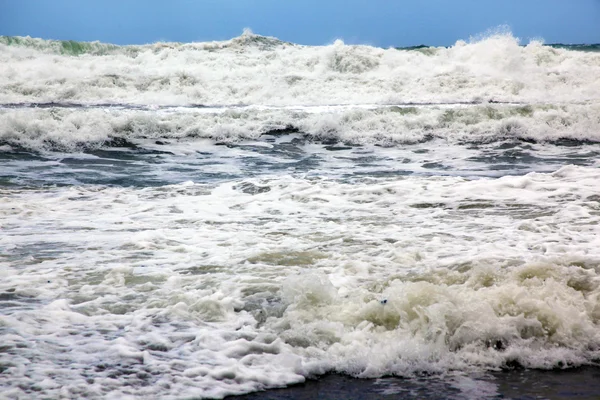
376,22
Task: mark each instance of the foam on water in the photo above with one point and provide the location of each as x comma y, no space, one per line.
147,162
72,129
252,69
213,289
345,209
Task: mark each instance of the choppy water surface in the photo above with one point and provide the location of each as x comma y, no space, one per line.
159,249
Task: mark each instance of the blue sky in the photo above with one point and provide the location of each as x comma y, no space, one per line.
377,22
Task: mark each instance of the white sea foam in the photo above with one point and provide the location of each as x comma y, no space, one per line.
76,128
252,69
207,290
268,275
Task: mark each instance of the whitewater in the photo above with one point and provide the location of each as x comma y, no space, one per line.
198,220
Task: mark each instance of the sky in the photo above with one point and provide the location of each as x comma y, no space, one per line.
313,22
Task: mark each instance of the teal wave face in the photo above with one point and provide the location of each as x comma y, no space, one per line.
577,47
430,50
424,49
66,47
75,48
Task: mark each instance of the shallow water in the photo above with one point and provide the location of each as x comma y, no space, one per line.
350,223
580,384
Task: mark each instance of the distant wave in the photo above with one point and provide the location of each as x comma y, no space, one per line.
75,48
72,47
257,70
71,95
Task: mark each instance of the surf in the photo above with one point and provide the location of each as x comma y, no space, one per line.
256,70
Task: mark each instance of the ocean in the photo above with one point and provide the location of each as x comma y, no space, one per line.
200,220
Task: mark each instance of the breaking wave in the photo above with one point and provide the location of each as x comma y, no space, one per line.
253,69
75,127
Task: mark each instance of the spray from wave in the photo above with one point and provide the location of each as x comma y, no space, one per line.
253,69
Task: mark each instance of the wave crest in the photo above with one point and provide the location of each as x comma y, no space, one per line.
253,69
71,128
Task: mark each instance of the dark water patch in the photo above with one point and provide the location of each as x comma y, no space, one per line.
378,174
126,156
578,383
513,145
203,270
528,140
100,162
435,165
325,141
428,205
362,157
7,182
112,166
38,252
593,197
506,157
123,181
562,142
340,387
109,106
287,258
476,206
511,140
10,295
417,47
507,167
588,156
338,147
250,188
592,48
254,166
50,104
570,142
12,300
516,156
144,163
119,142
289,129
18,152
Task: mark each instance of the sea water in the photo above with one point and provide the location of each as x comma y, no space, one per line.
206,219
